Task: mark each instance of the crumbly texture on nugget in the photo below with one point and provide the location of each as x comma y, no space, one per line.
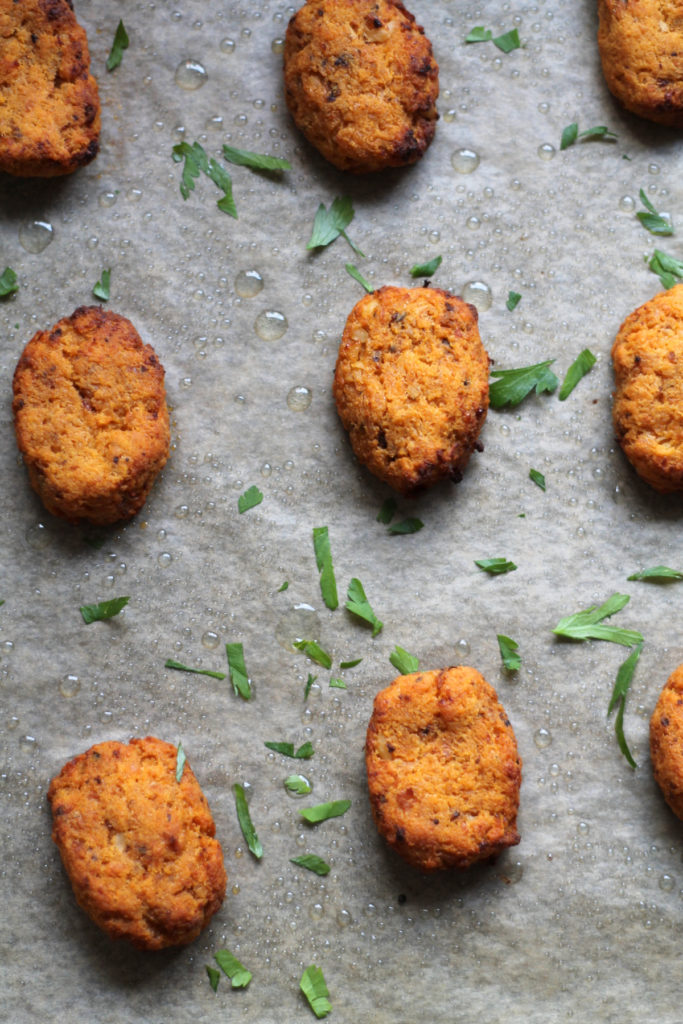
90,416
361,82
666,741
648,400
443,769
641,48
138,846
49,104
411,385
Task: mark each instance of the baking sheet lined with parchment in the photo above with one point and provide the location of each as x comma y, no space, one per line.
581,920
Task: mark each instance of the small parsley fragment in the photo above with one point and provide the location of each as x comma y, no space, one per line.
579,368
298,784
387,511
657,572
313,986
257,161
426,269
359,605
410,525
250,499
668,269
538,478
651,220
312,863
513,300
244,818
495,566
101,288
337,684
508,42
8,283
586,625
304,751
121,43
172,663
284,586
323,558
214,977
321,812
103,610
238,671
618,700
3,601
514,385
197,162
508,652
355,273
350,664
309,683
571,134
315,652
180,762
479,34
330,224
230,965
403,661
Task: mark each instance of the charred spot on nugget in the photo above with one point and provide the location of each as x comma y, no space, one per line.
138,844
361,82
647,408
666,742
411,385
443,769
49,102
90,417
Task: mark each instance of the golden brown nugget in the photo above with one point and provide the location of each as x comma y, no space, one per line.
443,769
648,400
49,104
411,385
361,82
641,48
666,741
138,846
90,416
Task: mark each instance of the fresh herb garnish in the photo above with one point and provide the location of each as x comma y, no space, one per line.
571,134
298,784
514,385
103,610
585,625
403,661
315,652
657,572
101,288
121,43
330,224
358,604
387,511
337,684
323,559
244,818
618,700
230,965
651,220
197,162
313,986
357,276
668,268
426,269
214,977
508,652
538,478
312,863
479,34
8,283
250,499
410,525
180,762
257,161
495,566
309,682
304,751
321,812
513,300
508,42
284,586
238,671
350,664
579,368
171,663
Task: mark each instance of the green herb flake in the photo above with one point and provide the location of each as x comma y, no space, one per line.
172,663
180,763
508,42
321,812
618,700
313,986
8,283
508,651
513,386
250,499
101,288
586,625
479,34
196,162
569,135
323,559
121,43
410,525
298,784
657,572
337,684
2,602
357,276
103,610
330,224
238,671
309,683
651,220
350,664
668,268
244,818
214,977
257,161
513,300
315,652
312,863
358,604
579,368
387,511
285,586
495,566
403,661
304,752
426,269
538,478
230,965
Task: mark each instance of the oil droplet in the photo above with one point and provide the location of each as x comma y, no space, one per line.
465,161
666,883
653,168
28,744
277,45
270,325
450,116
69,686
107,199
210,640
546,151
35,235
299,398
190,75
248,283
235,890
512,873
479,294
542,738
463,648
343,918
227,45
37,537
164,559
316,912
627,204
301,623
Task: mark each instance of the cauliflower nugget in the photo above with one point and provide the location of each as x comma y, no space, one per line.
648,400
666,741
138,846
49,104
443,769
411,385
361,82
90,416
641,48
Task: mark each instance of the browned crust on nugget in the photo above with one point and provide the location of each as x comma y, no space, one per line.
411,385
666,741
641,48
90,416
443,769
49,103
138,846
648,400
361,82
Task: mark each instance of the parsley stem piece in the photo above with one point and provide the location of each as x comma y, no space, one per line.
171,663
103,610
313,986
355,273
618,700
244,818
579,368
321,812
121,43
238,671
585,625
514,385
323,558
257,161
359,605
232,968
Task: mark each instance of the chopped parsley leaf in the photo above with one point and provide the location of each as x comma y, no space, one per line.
250,499
315,652
298,784
284,586
668,268
238,671
387,511
313,986
103,610
357,276
304,751
579,368
479,34
230,965
197,162
586,625
350,664
571,134
121,43
257,161
657,572
508,652
330,224
338,684
514,385
101,288
426,269
214,977
495,566
403,661
312,863
321,812
309,683
180,763
508,42
358,604
244,818
618,700
172,663
538,478
8,283
410,525
323,559
651,220
513,300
